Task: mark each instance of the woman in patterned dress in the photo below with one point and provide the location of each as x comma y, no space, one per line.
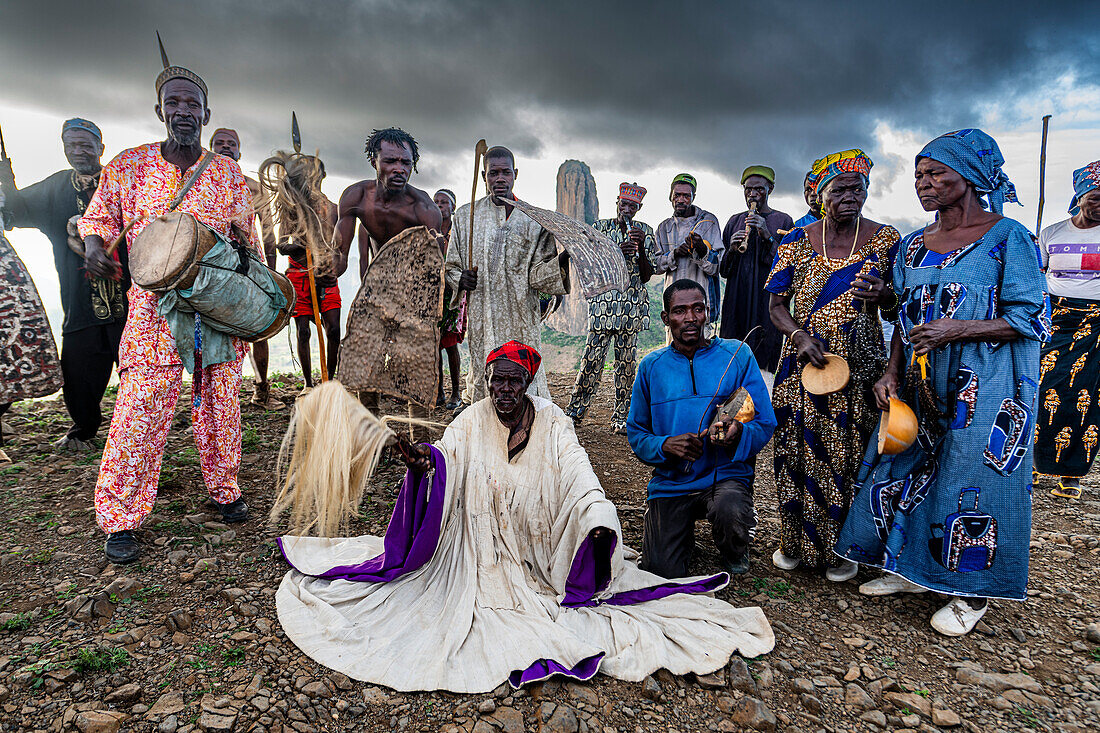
952,513
827,285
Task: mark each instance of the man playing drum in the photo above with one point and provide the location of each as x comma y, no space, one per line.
140,183
225,141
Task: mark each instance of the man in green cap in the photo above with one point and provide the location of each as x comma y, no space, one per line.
751,240
689,245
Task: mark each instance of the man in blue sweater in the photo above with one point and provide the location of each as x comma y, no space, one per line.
697,471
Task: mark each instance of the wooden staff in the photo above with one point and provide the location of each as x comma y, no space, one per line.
110,250
479,152
317,314
1042,175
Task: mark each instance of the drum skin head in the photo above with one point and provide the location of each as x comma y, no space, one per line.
166,254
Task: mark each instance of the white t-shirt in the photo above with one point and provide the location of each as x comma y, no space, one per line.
1071,260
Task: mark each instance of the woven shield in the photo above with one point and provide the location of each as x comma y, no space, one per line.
29,366
597,262
392,339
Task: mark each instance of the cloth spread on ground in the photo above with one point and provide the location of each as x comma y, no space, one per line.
1069,373
820,439
745,304
489,571
516,259
953,512
674,394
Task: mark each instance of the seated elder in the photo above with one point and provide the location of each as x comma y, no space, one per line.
700,470
502,561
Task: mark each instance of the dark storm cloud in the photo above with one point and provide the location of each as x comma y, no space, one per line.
698,85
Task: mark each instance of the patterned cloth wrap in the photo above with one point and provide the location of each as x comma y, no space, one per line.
976,157
1084,180
520,353
847,161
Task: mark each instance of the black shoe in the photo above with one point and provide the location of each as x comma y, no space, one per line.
234,512
737,566
121,547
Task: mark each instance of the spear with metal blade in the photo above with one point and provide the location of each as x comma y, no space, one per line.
296,140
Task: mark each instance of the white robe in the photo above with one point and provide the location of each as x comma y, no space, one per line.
487,603
516,259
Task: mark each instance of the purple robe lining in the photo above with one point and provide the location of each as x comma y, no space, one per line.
411,535
585,582
546,668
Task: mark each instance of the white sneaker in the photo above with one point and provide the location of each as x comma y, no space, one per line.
958,618
845,571
784,562
888,585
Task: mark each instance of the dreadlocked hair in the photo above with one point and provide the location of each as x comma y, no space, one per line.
292,191
394,135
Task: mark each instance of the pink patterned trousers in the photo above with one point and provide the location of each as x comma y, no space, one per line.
130,469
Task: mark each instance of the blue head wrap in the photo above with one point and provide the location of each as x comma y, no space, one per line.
78,123
1084,180
974,156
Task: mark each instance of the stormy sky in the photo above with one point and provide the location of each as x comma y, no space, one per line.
638,90
706,85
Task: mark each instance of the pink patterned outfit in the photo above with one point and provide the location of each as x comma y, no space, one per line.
139,182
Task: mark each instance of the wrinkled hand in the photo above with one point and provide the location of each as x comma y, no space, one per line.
737,238
725,431
637,236
684,250
418,456
871,289
697,244
809,349
468,280
98,263
934,334
629,249
688,446
885,388
601,533
756,221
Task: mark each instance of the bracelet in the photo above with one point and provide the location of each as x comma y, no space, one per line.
791,337
897,301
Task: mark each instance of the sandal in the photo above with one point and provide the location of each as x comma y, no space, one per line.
1066,492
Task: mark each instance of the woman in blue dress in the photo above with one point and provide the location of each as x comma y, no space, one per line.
952,514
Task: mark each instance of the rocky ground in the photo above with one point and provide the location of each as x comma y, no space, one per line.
187,639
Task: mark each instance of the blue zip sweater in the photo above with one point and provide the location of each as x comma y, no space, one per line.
671,395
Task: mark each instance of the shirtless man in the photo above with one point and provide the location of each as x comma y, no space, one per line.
386,206
226,142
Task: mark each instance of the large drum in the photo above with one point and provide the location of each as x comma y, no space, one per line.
203,272
167,253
